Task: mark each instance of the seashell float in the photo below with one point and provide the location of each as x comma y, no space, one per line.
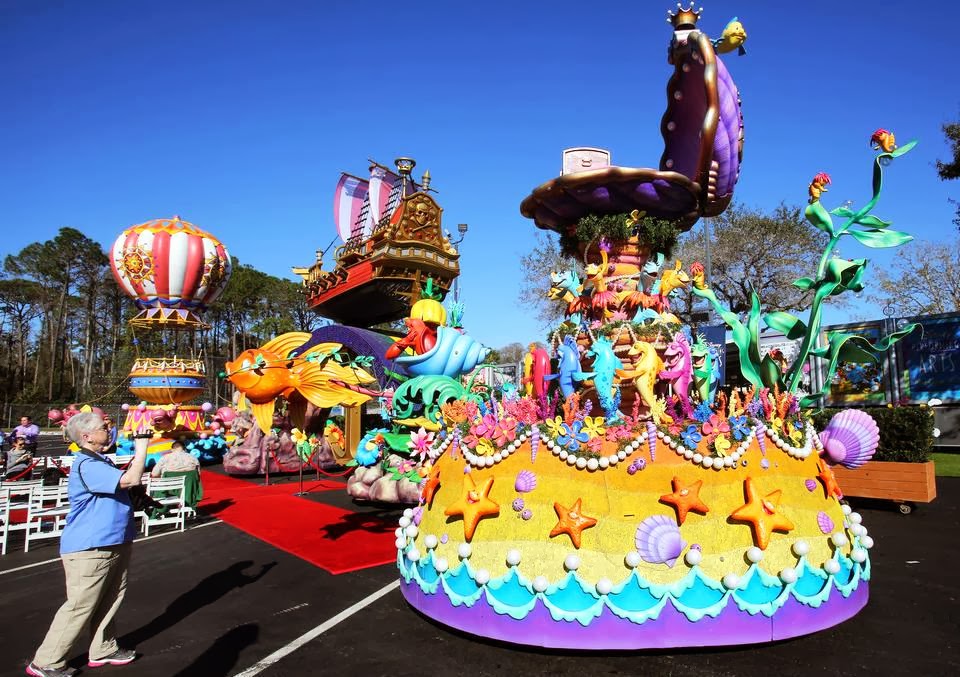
526,481
850,438
658,540
824,522
453,355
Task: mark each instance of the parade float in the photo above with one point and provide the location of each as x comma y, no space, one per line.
620,499
174,271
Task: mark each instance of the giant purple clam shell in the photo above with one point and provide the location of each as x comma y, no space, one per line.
824,522
658,540
851,438
526,481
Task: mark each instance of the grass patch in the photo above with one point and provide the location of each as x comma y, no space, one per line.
947,465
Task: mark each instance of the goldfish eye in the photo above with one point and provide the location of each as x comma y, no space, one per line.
245,364
261,361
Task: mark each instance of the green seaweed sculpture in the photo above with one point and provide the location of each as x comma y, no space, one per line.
834,276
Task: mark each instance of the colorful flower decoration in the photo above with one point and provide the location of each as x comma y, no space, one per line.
691,437
739,427
572,436
715,425
721,445
555,426
796,436
594,426
485,447
703,412
420,443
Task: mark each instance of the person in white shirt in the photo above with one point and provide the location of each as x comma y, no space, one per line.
176,460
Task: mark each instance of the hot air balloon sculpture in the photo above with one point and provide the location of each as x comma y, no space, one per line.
173,270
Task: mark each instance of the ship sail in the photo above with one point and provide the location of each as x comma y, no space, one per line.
348,200
382,181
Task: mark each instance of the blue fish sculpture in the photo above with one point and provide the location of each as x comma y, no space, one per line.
568,367
605,364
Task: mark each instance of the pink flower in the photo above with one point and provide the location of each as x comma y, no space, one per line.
716,425
595,444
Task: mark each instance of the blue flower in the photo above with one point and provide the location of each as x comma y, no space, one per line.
571,437
739,427
690,437
798,424
703,412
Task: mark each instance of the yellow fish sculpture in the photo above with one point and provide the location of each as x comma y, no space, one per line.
732,38
276,369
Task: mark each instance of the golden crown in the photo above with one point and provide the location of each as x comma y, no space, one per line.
684,18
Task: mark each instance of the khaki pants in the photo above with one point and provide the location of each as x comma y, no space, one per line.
96,583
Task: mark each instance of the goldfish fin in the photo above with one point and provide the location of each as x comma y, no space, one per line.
323,348
264,415
284,344
317,385
242,404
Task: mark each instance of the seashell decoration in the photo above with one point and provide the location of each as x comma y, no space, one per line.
850,438
824,522
761,435
652,440
454,354
811,485
526,481
658,540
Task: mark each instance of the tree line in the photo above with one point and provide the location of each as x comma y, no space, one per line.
64,335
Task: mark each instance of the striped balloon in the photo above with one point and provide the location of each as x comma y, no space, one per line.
170,263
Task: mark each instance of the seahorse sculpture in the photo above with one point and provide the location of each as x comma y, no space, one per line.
671,280
565,285
605,365
644,376
678,368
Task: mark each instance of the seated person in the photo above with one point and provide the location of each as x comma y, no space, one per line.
176,460
18,458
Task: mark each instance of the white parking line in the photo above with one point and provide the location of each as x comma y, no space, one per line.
136,540
311,635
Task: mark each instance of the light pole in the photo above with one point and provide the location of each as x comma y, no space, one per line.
462,229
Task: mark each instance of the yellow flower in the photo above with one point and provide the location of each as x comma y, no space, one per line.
776,424
796,436
554,426
485,447
297,436
721,444
594,426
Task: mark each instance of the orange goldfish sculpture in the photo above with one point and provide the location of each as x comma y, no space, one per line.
265,373
818,186
883,140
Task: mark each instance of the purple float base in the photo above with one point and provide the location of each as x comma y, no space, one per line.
670,630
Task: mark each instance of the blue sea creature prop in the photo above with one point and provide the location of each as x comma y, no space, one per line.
568,367
605,364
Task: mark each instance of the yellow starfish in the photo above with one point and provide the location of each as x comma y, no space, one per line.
474,504
572,522
685,499
761,514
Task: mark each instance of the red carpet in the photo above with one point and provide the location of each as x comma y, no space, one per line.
336,540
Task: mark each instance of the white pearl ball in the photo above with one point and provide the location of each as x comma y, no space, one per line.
540,583
754,554
729,461
839,539
801,548
735,456
571,460
550,444
831,566
855,518
563,454
604,462
731,581
688,454
522,438
490,461
404,522
413,555
707,462
604,586
866,542
401,543
411,531
788,575
513,557
408,513
571,563
441,564
632,559
581,462
846,509
693,557
698,458
497,457
635,445
858,555
430,541
614,459
592,464
399,532
464,551
482,577
622,454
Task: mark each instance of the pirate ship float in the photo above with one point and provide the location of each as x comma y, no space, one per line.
692,517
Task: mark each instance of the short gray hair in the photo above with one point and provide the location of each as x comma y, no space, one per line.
84,422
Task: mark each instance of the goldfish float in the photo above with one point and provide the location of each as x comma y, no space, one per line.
638,505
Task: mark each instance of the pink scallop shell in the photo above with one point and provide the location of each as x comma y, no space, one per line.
526,481
658,540
824,522
811,485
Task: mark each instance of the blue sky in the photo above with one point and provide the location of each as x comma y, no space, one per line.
239,116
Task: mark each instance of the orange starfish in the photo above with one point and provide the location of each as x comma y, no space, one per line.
761,513
685,499
830,486
572,522
473,505
430,484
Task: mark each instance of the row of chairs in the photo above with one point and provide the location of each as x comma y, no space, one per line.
47,508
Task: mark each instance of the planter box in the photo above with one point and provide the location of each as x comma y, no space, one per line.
900,482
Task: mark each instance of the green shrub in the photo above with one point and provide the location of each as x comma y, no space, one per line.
658,234
906,433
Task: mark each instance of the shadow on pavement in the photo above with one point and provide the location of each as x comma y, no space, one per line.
220,659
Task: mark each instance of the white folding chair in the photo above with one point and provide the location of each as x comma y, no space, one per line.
171,493
48,507
4,518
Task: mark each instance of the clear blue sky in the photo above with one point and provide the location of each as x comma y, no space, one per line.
239,116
